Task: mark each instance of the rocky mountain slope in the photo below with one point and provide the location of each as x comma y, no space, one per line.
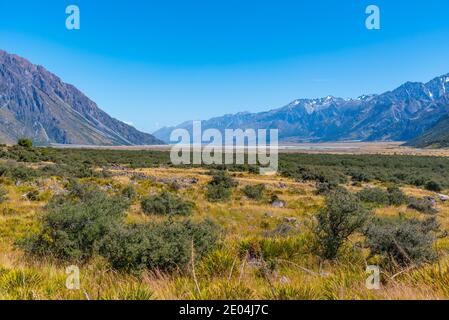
35,103
435,137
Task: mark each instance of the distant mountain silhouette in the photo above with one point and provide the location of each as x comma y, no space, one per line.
36,104
398,115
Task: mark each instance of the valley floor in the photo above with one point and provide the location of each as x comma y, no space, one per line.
228,272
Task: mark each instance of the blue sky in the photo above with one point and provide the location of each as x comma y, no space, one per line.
156,63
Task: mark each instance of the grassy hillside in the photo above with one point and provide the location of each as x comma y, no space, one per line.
262,243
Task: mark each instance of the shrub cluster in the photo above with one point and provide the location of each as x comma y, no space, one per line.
374,196
402,242
33,195
396,197
20,172
342,216
398,169
164,246
324,188
425,206
219,188
433,186
73,229
254,192
129,193
16,172
79,227
314,173
392,197
3,194
166,203
26,143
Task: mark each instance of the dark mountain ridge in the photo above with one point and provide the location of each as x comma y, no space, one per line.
35,103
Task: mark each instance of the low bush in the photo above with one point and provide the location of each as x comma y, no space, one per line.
312,173
21,173
219,188
374,195
218,193
222,178
166,246
26,143
129,193
396,196
73,229
433,186
166,203
323,188
3,194
425,206
402,242
33,195
254,192
89,223
81,191
342,216
359,176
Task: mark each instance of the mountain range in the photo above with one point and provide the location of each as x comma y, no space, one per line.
402,114
36,104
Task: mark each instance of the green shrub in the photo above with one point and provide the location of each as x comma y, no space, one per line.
163,246
433,186
166,203
89,222
358,176
314,173
323,188
129,192
254,192
396,197
342,216
3,194
81,191
414,170
392,197
73,229
33,195
21,173
218,193
222,178
26,143
374,195
401,242
422,205
219,188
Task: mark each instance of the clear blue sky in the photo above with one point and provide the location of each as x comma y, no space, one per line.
156,63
